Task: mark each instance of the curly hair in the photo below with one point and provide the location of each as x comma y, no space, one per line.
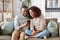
37,11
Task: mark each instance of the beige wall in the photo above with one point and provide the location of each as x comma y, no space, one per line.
41,5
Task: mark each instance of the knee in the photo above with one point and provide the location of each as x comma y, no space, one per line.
22,33
46,32
28,32
22,36
15,33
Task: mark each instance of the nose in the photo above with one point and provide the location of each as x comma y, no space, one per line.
25,12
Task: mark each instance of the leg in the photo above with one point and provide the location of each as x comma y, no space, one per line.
22,36
27,33
15,35
42,34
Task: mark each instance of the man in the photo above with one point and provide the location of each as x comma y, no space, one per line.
21,21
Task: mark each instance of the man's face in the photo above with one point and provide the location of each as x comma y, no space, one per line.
24,11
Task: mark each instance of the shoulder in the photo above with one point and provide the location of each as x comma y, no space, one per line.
19,15
41,16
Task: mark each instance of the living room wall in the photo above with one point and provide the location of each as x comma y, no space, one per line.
41,5
16,9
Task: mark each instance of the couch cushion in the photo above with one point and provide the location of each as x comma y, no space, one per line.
7,28
54,19
57,38
53,28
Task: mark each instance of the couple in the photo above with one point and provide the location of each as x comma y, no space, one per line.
29,23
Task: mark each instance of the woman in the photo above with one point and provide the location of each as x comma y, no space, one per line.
37,24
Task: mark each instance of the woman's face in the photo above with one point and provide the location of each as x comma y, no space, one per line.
31,13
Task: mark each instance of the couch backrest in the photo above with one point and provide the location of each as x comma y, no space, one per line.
54,19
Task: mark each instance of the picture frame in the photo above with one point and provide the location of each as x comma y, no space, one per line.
52,5
7,5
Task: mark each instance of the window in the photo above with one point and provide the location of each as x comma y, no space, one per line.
6,6
52,5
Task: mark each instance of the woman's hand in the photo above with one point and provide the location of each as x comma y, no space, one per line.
33,33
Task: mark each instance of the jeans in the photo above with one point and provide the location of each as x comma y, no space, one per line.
39,35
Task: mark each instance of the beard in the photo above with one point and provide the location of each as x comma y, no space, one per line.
24,15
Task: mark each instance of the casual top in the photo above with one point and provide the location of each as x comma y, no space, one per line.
38,23
19,20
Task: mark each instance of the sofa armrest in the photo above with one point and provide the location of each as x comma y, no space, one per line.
1,23
59,29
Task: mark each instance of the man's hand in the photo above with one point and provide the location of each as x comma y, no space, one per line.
24,25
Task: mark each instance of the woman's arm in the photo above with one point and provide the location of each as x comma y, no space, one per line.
35,32
42,23
41,26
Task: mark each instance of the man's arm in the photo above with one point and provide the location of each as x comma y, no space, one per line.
25,24
16,23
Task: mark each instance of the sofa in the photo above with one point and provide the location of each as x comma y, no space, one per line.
50,38
8,37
